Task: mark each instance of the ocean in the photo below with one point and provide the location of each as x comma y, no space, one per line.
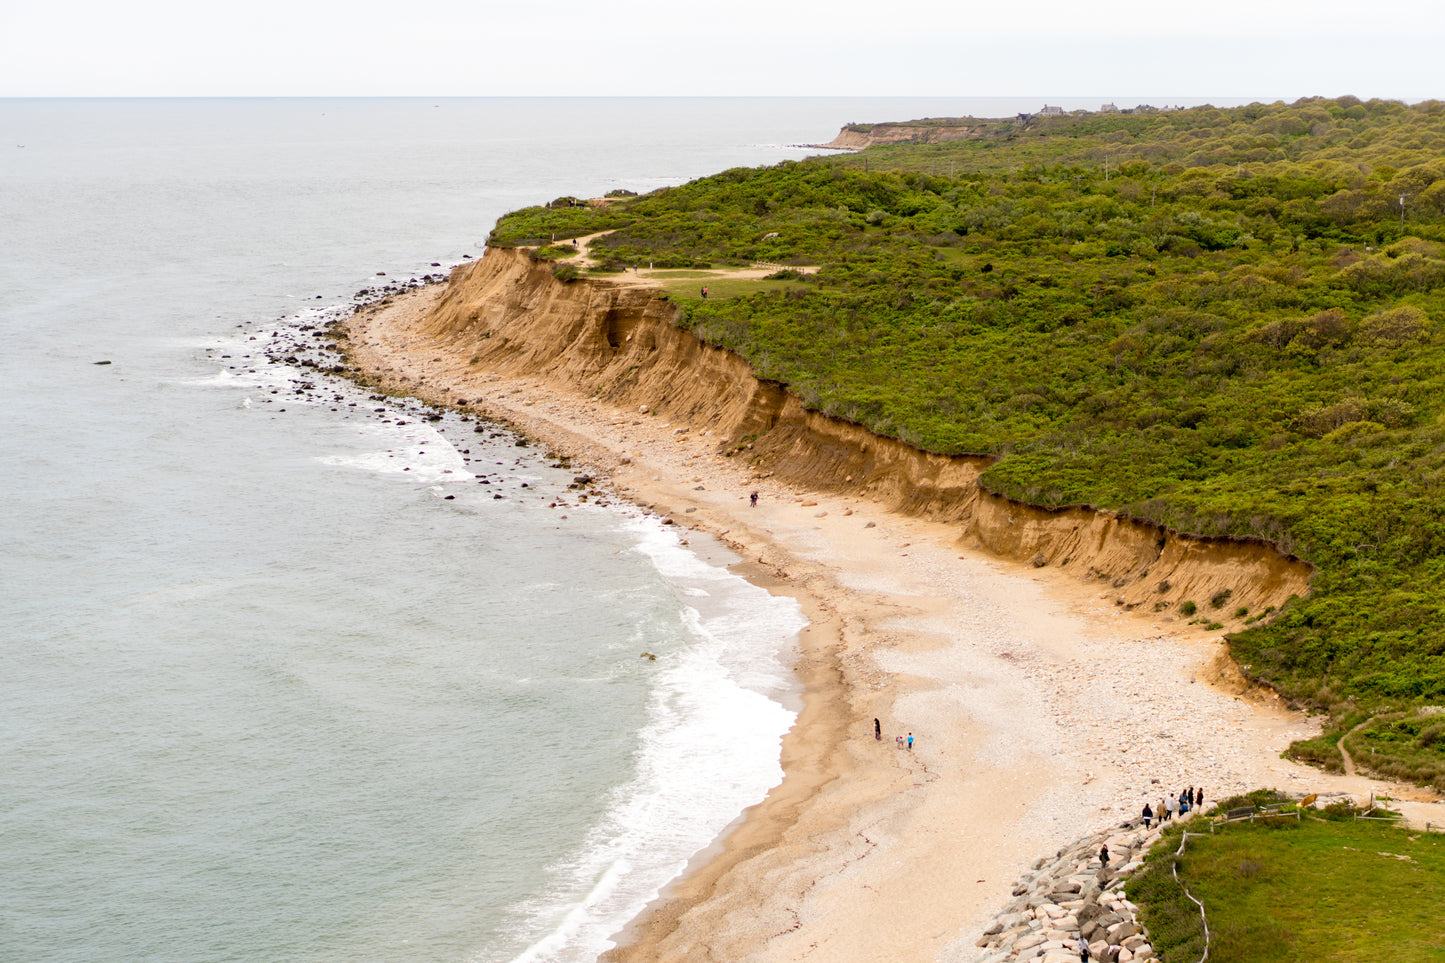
291,673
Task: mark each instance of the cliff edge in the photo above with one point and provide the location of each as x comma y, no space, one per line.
860,136
619,343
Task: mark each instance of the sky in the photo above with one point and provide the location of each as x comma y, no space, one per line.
1256,49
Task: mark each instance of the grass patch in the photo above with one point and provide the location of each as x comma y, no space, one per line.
554,252
1322,751
1319,890
723,288
680,274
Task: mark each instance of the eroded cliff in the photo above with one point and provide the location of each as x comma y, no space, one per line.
853,138
619,343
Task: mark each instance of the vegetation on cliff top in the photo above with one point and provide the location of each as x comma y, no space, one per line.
1224,321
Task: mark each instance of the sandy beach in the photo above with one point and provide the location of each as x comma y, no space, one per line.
1040,710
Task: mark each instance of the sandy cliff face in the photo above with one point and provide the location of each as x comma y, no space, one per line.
849,139
618,343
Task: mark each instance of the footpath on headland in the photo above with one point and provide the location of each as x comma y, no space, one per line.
1042,710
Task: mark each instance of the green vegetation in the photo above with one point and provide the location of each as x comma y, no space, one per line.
1223,321
554,252
1324,888
1405,745
680,286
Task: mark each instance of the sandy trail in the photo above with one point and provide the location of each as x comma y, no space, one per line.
641,277
1040,710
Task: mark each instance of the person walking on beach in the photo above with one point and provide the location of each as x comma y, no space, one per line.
1148,814
1104,855
877,726
910,740
899,741
1083,946
753,499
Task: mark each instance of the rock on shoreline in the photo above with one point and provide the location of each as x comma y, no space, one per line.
1071,894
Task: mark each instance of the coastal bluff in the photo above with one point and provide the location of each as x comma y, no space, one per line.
928,131
620,343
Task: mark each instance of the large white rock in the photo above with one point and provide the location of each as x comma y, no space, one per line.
1028,942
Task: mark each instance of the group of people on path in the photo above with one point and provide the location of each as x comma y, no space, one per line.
1170,806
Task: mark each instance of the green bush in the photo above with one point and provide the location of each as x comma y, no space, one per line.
1408,746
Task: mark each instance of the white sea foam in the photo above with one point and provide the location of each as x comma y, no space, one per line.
421,451
710,749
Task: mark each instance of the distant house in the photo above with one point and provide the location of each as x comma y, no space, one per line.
1108,109
1048,111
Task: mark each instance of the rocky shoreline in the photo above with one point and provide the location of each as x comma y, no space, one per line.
1075,893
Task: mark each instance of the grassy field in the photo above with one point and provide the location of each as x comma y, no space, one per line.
1278,891
1227,322
686,291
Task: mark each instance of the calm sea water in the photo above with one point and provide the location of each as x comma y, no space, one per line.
280,679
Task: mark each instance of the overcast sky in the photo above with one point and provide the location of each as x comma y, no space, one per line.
1257,49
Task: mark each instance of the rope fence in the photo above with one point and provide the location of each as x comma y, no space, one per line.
1252,813
1174,868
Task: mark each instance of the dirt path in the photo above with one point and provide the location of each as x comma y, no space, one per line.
650,278
1345,753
